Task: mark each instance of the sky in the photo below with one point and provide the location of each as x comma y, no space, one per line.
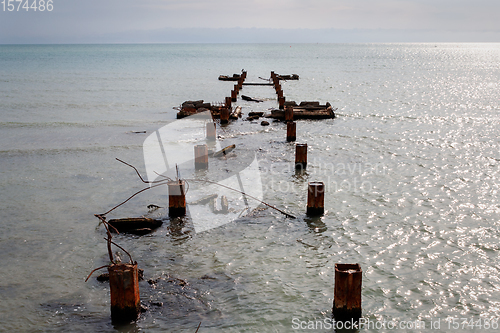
109,21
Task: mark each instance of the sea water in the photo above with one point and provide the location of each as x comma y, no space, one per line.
410,165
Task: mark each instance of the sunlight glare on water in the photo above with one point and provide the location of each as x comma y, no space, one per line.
410,165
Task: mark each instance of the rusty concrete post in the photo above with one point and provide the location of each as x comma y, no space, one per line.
291,131
240,83
200,157
288,113
301,156
278,88
281,102
276,82
244,75
211,135
315,198
224,115
228,102
280,94
234,95
124,287
237,89
272,75
347,293
176,198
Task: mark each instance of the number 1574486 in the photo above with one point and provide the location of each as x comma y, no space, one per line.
27,5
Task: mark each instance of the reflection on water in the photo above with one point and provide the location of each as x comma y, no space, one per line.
316,224
410,166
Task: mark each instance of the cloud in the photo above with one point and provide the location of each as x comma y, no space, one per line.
81,20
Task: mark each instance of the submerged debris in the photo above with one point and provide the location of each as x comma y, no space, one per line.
154,207
235,77
205,200
224,204
236,114
224,151
287,77
306,110
254,115
135,225
189,108
250,99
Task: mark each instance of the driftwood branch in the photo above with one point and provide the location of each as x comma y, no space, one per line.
138,174
106,223
163,182
88,277
110,252
165,178
232,189
102,217
133,195
121,248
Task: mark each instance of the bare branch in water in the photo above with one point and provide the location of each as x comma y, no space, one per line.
163,181
110,253
232,189
121,248
166,178
88,277
106,223
133,195
198,327
157,183
138,174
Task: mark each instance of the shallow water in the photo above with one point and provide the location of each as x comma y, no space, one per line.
410,164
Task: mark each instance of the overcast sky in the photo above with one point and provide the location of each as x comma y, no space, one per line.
114,20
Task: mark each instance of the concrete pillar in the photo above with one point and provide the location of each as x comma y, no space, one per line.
347,293
211,135
316,199
176,198
125,298
301,156
291,131
201,157
288,113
